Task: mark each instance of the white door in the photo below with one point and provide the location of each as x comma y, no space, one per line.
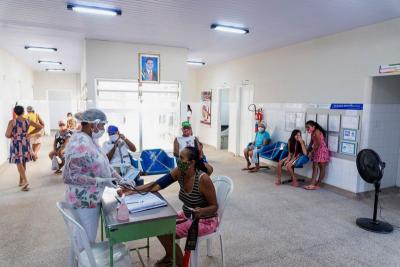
246,117
60,103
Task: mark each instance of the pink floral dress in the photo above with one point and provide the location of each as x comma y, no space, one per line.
84,162
321,154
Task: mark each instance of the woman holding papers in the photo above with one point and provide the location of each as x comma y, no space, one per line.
198,195
87,170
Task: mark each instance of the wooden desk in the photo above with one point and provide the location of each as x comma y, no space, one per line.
144,224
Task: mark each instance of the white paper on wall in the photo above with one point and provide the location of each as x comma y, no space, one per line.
311,117
333,143
322,120
334,123
300,121
290,121
350,122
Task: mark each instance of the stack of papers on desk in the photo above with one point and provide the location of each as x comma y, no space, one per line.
138,202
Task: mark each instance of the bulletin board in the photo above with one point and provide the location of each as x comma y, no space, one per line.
343,130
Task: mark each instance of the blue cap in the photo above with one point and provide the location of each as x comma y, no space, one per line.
112,129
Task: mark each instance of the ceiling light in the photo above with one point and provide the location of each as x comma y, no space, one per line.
230,29
49,62
94,10
55,70
40,48
195,63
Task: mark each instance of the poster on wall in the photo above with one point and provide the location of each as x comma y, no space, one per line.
206,107
149,68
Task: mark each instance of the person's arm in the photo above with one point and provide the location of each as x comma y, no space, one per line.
176,147
316,140
37,127
55,144
131,146
41,122
208,191
303,146
76,175
9,129
155,186
110,154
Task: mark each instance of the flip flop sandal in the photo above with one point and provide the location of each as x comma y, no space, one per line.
25,187
278,183
310,187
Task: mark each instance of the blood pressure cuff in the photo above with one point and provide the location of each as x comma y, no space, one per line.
165,181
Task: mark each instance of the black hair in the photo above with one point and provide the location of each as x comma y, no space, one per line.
149,58
84,123
194,154
19,110
69,114
293,144
189,108
317,126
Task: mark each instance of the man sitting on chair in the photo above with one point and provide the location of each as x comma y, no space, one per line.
252,150
117,150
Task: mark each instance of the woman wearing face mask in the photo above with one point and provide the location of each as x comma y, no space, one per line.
319,153
87,170
198,195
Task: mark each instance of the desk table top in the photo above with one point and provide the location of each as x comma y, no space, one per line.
109,206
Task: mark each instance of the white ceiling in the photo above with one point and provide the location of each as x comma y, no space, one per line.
185,23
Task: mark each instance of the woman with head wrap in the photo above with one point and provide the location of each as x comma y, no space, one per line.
87,170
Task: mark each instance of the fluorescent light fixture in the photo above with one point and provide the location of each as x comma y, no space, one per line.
40,48
55,70
195,63
96,10
230,29
46,62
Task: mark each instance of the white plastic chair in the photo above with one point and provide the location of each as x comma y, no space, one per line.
224,188
92,255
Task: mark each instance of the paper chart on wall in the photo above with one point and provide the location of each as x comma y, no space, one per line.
290,121
300,121
311,117
350,122
333,143
322,120
334,123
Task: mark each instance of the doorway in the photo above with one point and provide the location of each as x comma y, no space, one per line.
245,122
147,114
223,128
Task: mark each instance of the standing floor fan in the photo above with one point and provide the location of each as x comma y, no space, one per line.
370,167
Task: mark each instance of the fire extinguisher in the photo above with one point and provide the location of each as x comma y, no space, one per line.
256,127
259,115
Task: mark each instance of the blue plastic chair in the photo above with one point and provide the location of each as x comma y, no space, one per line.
156,161
273,151
135,164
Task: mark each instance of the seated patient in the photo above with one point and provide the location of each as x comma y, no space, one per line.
117,150
60,141
198,195
189,140
252,150
296,148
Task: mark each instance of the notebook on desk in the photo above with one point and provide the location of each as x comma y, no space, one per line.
138,202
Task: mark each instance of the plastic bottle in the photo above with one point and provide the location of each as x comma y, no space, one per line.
122,212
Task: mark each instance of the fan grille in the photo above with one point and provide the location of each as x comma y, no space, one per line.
369,166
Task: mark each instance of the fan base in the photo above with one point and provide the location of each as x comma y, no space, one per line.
374,226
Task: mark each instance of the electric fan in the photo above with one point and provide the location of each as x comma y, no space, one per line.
370,167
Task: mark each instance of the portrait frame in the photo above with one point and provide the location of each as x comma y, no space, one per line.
143,74
206,101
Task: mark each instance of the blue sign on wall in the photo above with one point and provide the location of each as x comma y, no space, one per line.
347,106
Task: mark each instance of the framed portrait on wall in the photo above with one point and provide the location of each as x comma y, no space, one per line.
149,68
206,97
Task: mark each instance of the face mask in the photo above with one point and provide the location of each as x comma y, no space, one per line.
113,138
310,130
99,134
261,129
183,166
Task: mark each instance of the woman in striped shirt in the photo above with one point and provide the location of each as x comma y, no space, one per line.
198,195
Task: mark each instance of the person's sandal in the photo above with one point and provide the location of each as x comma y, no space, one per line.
278,182
25,187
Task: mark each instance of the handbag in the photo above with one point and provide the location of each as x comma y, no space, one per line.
54,163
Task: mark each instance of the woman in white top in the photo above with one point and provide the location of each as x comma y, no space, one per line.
189,113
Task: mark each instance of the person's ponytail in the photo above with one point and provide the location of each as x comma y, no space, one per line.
195,155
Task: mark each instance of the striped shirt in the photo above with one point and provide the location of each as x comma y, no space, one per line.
194,198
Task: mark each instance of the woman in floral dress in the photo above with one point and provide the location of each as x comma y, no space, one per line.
20,148
87,170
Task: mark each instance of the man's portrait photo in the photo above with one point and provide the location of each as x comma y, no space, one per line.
149,68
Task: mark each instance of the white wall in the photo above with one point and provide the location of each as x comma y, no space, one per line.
116,60
16,81
331,69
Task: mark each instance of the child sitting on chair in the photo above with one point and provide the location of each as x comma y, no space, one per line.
296,148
